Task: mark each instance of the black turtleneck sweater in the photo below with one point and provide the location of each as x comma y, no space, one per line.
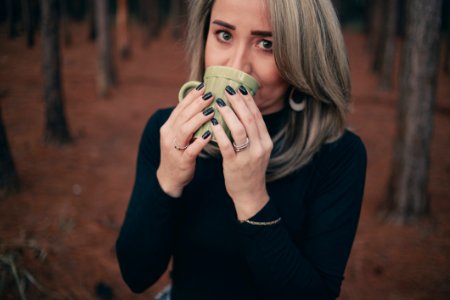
215,256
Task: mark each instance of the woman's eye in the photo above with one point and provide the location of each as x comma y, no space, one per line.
224,36
265,45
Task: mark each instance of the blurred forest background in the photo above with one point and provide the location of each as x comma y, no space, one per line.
79,79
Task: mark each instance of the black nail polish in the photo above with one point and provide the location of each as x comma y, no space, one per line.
207,96
208,111
230,90
200,86
220,102
206,135
243,90
214,121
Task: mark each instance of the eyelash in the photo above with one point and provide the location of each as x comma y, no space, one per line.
219,37
265,49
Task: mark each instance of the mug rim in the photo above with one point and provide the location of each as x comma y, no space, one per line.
233,74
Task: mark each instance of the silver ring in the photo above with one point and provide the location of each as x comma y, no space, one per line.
180,148
242,147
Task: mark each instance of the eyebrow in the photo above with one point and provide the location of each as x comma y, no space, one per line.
262,33
224,24
232,27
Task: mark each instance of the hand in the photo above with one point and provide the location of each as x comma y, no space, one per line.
244,171
177,165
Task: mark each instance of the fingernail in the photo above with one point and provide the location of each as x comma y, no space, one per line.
230,90
200,86
207,96
208,111
220,102
214,121
243,90
206,135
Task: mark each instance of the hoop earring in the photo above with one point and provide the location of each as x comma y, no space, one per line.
297,102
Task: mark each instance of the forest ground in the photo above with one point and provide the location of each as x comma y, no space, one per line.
62,225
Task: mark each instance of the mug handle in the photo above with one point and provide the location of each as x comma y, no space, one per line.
186,88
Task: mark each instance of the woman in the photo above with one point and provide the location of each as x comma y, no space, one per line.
273,214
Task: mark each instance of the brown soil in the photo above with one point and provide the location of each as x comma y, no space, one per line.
63,224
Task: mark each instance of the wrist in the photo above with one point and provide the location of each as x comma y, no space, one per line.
167,185
247,209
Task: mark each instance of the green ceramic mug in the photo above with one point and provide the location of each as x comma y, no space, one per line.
216,78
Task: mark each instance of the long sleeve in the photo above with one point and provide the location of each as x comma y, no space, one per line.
302,257
311,267
144,245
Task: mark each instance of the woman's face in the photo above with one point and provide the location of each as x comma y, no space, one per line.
240,36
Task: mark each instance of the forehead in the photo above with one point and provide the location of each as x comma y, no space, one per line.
249,13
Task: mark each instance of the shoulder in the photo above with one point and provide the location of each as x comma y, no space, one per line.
159,117
348,145
156,120
346,153
339,168
150,134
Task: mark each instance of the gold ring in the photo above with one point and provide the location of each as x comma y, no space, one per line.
239,148
180,148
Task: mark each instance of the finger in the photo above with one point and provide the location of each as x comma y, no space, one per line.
262,127
189,112
194,108
238,131
187,130
225,146
196,147
239,102
255,112
193,95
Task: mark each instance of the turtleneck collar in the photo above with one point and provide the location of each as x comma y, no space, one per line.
274,121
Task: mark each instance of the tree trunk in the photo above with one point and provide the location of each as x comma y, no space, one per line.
11,17
407,193
28,21
377,33
66,22
367,19
151,17
106,73
56,129
447,52
338,8
92,35
122,29
387,64
401,18
9,181
178,12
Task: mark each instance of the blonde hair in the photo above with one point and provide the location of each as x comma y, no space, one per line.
310,55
